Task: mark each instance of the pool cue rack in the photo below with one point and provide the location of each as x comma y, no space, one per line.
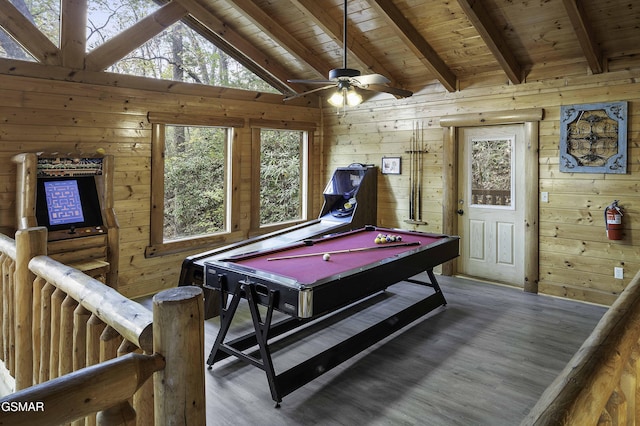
89,242
416,153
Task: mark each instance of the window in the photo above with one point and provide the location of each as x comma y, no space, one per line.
491,173
197,184
183,51
282,173
190,182
195,178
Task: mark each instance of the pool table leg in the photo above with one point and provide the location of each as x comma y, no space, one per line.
262,335
259,336
227,311
433,282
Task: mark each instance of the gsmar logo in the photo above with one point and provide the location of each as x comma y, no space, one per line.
15,406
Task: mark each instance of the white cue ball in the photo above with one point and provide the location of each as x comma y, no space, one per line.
326,256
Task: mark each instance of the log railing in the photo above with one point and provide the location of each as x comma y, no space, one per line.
77,347
601,383
8,268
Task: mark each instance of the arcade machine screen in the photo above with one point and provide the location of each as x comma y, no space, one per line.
68,203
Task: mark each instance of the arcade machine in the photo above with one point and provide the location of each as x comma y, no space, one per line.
73,199
350,202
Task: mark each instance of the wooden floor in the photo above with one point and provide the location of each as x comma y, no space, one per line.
484,359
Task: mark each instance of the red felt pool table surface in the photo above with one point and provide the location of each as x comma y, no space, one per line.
311,268
308,286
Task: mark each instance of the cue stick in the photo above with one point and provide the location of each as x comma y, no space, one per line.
415,169
421,135
412,216
411,174
381,246
416,157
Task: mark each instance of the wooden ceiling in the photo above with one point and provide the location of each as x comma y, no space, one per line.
437,45
421,43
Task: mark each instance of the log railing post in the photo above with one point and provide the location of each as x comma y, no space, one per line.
38,284
628,384
110,341
45,331
65,365
5,265
29,243
178,334
56,311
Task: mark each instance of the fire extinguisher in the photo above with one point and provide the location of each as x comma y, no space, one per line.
613,220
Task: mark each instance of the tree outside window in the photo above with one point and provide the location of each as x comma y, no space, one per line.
194,184
282,176
178,53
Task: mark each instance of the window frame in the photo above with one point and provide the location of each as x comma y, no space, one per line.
256,227
157,244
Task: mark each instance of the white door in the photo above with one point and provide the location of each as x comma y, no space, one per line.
491,203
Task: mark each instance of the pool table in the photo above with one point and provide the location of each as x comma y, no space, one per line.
299,281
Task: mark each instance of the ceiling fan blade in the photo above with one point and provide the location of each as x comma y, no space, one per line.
311,81
398,93
297,95
367,79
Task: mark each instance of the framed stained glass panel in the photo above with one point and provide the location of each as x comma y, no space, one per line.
593,138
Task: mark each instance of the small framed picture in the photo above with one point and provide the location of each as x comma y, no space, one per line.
391,165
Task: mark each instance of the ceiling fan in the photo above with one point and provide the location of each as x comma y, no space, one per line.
346,79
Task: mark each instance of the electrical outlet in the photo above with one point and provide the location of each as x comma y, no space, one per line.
544,197
618,272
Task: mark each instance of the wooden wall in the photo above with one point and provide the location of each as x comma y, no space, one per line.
38,114
575,258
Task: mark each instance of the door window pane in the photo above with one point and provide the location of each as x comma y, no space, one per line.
491,172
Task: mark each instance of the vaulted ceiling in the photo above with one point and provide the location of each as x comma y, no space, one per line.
436,45
421,43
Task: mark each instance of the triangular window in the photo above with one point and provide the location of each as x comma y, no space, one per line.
181,54
44,14
9,48
178,53
106,18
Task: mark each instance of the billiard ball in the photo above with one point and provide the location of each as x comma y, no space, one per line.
326,257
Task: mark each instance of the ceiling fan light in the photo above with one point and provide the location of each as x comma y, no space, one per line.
337,99
353,98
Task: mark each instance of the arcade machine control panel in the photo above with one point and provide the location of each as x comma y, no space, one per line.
74,232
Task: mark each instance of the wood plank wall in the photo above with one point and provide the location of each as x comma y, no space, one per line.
575,258
39,114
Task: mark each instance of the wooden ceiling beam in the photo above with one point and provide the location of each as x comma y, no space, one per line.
418,45
27,35
128,40
366,60
584,33
73,33
480,19
241,49
274,30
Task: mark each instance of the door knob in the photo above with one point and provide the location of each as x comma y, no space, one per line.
460,212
